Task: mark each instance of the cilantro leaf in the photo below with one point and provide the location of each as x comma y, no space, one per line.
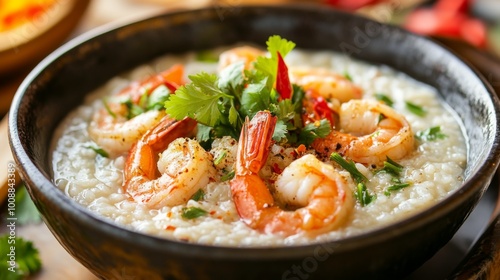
312,131
269,65
198,195
199,100
255,97
280,131
26,209
27,260
158,97
193,213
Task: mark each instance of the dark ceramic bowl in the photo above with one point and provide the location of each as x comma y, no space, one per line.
59,84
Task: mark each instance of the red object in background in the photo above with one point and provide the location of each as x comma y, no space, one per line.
448,18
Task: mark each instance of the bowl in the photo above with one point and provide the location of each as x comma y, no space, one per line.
61,81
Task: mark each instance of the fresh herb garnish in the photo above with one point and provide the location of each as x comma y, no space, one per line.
192,213
431,134
415,109
98,151
348,76
106,106
220,103
384,98
207,56
349,166
220,158
27,260
198,195
362,194
392,167
26,210
157,98
228,176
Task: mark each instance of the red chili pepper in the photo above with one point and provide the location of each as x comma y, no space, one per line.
283,85
322,110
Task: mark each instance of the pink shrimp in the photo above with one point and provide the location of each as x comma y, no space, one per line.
322,195
171,178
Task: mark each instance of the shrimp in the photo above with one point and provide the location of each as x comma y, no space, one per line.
112,128
325,83
368,132
184,166
322,195
246,54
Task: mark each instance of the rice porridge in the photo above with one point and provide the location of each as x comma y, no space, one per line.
429,171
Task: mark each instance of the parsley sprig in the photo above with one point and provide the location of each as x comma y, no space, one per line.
27,260
220,103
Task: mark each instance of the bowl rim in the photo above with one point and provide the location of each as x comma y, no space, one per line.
82,214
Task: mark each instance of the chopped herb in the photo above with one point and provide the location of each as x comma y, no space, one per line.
198,195
415,109
193,213
431,134
395,187
228,176
26,209
349,166
220,157
207,56
392,167
362,195
157,98
27,260
98,151
348,76
106,106
384,98
312,131
220,103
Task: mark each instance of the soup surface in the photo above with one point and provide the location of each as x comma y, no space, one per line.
429,168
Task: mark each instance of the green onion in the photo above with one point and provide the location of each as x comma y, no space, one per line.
362,195
228,176
349,166
106,106
384,98
98,151
415,109
392,167
220,158
396,187
430,134
347,76
198,195
193,213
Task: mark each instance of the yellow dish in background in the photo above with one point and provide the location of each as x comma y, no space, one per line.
30,29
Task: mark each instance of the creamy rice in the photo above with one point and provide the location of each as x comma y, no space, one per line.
435,168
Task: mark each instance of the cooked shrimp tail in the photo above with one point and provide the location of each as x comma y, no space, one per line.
112,127
322,196
171,178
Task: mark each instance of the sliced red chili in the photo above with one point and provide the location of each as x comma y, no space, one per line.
283,85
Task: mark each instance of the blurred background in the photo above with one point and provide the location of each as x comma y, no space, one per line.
31,29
